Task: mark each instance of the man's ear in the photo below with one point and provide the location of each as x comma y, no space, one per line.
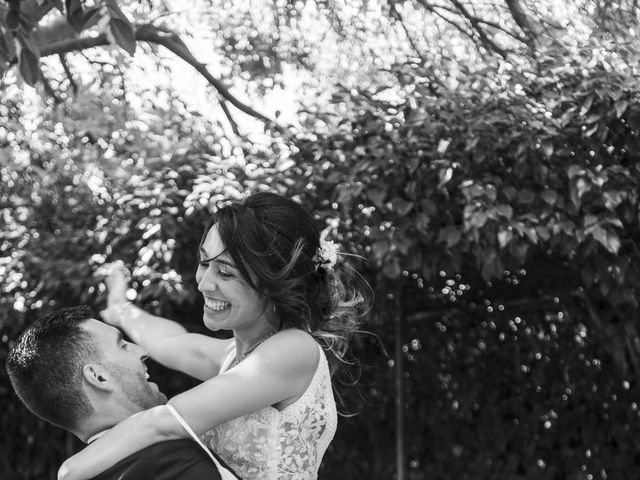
97,377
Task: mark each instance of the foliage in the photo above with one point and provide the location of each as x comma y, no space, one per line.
83,186
495,201
505,167
504,214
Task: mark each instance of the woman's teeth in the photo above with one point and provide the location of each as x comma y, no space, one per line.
216,305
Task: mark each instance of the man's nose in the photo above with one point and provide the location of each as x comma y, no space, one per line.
142,352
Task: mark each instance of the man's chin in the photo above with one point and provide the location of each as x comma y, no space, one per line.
159,397
153,396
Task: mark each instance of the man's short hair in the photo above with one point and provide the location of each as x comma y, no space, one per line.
45,366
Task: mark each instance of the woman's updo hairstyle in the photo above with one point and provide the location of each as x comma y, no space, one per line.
273,241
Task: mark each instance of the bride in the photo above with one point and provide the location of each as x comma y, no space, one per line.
266,404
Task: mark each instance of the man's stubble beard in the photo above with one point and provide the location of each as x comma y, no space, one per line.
136,388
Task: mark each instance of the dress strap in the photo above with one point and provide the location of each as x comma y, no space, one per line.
228,360
224,473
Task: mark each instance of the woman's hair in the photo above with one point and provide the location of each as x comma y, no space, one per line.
273,241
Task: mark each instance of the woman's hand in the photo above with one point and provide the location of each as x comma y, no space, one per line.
116,278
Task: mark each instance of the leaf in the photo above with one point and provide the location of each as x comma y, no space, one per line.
422,223
509,192
392,268
491,265
547,147
613,199
450,234
471,143
58,4
621,107
566,118
380,249
504,237
582,187
573,170
478,219
590,132
443,144
401,206
75,14
505,211
593,118
491,192
526,196
346,192
532,234
586,106
29,66
520,250
590,221
377,196
13,19
608,240
543,232
444,176
7,47
92,17
123,33
550,196
416,118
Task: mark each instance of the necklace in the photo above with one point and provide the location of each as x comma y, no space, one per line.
237,360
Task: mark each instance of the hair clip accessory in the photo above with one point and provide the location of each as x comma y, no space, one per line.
326,255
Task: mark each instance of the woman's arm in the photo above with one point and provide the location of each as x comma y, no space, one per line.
127,437
276,373
168,342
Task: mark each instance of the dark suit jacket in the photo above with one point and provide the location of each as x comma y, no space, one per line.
171,460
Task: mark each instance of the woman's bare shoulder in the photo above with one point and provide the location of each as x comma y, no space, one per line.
293,350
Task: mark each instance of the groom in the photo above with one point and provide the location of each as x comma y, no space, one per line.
80,374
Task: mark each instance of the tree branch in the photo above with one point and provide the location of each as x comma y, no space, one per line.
448,20
486,22
67,71
484,38
396,13
49,89
522,20
168,39
227,113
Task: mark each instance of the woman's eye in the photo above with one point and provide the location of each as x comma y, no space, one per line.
224,274
203,264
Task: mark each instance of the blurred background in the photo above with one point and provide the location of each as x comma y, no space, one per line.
480,156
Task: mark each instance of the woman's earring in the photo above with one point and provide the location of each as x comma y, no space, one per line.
274,308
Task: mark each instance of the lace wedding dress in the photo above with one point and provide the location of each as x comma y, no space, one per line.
280,445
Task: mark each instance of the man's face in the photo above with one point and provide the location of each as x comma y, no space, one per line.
125,362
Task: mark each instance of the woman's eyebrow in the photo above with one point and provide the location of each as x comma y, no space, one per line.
223,261
220,258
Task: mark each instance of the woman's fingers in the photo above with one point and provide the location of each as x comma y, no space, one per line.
116,277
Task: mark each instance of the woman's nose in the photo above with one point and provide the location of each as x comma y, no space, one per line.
207,281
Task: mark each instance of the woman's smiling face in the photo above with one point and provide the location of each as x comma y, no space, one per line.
229,302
